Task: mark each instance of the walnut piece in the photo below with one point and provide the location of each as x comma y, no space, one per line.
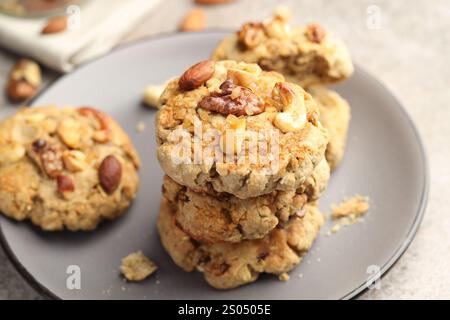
49,158
250,35
233,99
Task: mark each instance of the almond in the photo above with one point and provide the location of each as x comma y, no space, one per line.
20,90
197,75
110,174
55,25
194,20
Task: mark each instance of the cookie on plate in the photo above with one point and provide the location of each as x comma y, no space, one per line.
229,265
231,127
335,116
65,168
304,55
225,218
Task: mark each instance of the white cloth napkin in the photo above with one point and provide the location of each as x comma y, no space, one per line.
99,25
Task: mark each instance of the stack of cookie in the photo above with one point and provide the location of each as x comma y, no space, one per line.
244,154
233,220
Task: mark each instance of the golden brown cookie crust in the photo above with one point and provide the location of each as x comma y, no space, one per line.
225,218
53,169
335,116
290,116
305,55
227,265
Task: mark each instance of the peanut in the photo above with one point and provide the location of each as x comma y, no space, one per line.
74,160
69,132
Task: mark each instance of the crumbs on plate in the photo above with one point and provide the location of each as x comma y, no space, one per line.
348,212
137,267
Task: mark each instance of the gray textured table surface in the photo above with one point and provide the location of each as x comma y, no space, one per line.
408,51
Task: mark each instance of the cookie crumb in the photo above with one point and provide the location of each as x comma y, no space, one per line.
140,127
348,212
300,275
353,208
336,228
136,266
283,277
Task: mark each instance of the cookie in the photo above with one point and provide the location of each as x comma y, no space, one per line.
229,265
335,116
225,218
65,168
231,127
304,55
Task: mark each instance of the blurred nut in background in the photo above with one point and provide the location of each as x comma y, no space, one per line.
24,80
55,25
194,20
213,1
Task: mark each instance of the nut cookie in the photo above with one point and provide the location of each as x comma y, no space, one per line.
229,265
225,218
304,55
231,127
335,116
65,168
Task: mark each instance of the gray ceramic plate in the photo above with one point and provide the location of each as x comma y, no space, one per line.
384,160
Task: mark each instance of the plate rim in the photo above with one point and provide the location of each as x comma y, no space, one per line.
355,293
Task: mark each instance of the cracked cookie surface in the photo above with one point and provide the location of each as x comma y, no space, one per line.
335,116
257,132
229,265
225,218
305,55
65,168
